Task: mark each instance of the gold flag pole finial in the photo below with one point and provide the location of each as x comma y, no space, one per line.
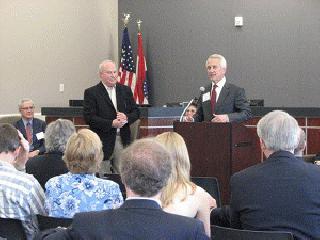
139,25
126,19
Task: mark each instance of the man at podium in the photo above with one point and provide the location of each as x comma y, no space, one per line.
221,101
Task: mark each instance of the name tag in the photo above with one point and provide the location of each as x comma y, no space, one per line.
40,135
206,97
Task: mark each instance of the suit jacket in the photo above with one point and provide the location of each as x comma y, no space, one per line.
37,126
47,166
231,101
99,112
135,219
282,193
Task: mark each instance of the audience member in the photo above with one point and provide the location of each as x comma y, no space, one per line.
145,167
191,110
21,196
283,192
49,165
109,109
181,196
79,190
31,128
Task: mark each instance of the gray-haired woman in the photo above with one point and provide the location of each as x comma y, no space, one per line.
44,167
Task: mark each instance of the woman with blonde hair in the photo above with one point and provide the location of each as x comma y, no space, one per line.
181,196
80,190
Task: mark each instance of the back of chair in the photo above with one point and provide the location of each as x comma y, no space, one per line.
46,222
211,185
222,233
134,129
116,178
11,229
10,119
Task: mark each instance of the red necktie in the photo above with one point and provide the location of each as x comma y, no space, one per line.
213,98
29,132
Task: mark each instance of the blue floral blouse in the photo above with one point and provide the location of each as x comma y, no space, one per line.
71,193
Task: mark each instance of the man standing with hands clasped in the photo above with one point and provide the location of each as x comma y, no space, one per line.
109,109
221,101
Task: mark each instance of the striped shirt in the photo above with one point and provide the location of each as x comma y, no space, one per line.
21,197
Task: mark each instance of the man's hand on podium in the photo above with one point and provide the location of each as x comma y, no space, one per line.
223,118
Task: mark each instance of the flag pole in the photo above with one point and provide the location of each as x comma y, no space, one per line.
139,25
141,68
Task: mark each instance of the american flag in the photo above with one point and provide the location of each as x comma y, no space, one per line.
141,91
127,69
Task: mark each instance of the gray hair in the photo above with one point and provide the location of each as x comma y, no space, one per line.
57,134
23,100
302,142
101,65
145,167
223,61
279,131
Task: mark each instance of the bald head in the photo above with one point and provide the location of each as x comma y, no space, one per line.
145,167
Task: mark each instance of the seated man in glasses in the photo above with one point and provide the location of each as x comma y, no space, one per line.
31,128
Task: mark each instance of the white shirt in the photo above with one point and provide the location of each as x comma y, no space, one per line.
112,95
25,122
220,85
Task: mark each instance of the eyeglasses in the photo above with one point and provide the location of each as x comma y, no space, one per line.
27,108
191,110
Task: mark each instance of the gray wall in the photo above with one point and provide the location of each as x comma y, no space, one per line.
274,56
47,42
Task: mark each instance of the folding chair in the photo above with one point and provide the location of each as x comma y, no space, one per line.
11,229
46,222
222,233
211,185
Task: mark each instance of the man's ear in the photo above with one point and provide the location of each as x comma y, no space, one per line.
262,144
224,70
16,152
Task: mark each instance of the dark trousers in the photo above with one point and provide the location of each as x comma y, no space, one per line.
220,216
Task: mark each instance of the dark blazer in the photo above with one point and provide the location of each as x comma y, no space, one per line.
232,101
99,113
135,219
47,166
37,126
282,193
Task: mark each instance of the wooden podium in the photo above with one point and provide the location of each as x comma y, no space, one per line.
219,150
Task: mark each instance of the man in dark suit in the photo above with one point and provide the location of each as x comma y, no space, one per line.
221,101
283,192
145,167
109,109
31,128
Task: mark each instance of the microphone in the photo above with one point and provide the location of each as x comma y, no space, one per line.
201,89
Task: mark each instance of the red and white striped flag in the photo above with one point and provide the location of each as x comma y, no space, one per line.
127,69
